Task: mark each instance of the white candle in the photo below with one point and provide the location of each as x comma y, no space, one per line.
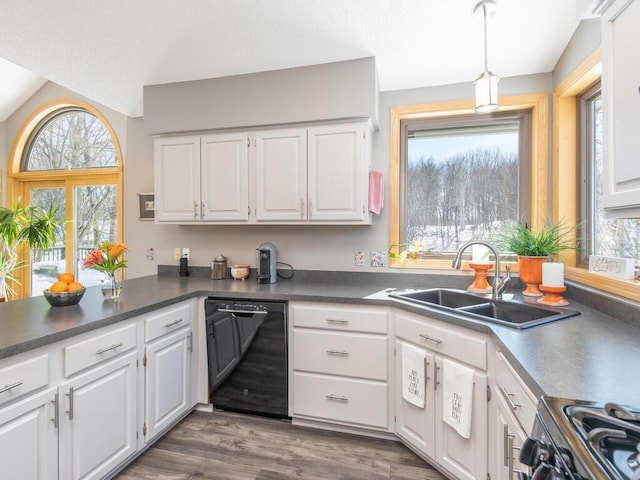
553,274
479,254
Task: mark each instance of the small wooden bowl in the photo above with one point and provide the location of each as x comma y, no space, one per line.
240,271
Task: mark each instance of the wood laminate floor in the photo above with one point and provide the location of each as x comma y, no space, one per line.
229,446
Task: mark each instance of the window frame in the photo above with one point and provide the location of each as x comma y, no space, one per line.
537,104
19,182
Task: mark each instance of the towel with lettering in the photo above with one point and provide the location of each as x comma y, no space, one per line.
457,396
413,387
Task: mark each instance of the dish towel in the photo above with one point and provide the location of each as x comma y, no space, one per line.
413,375
457,393
376,191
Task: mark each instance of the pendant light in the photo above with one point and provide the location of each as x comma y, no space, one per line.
487,83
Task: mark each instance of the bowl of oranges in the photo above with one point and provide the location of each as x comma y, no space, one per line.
65,291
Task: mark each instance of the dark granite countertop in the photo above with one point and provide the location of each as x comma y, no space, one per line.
593,356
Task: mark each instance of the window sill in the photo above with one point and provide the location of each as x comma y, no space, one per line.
624,288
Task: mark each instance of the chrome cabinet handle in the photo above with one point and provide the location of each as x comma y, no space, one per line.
6,388
202,210
342,353
509,398
337,320
436,382
301,208
190,342
505,444
426,372
112,347
340,398
195,209
431,339
55,419
173,324
510,462
70,411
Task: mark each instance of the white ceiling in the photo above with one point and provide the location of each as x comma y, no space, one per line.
108,50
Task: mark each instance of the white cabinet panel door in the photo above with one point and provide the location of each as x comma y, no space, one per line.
98,419
29,438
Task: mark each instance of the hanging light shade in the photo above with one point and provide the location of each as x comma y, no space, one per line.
486,85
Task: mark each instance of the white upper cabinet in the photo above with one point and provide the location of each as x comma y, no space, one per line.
224,168
281,175
338,173
177,179
314,174
202,179
621,107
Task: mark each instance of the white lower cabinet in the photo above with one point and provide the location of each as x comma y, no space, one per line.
29,438
339,372
168,385
423,428
98,419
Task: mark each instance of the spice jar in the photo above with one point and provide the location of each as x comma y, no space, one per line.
219,268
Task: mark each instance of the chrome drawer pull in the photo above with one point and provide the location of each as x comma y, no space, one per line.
70,411
509,398
55,419
343,353
172,324
112,347
431,339
341,321
6,388
341,398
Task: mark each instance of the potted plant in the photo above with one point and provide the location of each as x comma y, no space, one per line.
413,251
533,248
19,226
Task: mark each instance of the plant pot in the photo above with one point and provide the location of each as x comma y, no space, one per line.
531,274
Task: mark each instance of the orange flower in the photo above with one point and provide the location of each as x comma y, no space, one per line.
116,249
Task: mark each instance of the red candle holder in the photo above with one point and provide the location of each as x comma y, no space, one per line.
552,296
480,284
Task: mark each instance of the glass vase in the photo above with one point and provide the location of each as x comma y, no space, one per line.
111,286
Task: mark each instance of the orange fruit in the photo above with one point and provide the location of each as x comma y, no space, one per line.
66,277
59,286
73,286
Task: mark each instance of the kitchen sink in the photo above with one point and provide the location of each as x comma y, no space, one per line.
504,312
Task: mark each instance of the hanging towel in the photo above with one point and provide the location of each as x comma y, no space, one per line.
457,393
413,375
376,191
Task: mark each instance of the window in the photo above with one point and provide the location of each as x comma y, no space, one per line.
67,157
497,171
462,177
600,236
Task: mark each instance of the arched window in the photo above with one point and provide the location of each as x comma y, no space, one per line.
67,156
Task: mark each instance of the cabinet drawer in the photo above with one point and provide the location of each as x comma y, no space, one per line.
445,339
102,347
23,378
347,318
341,353
520,400
166,321
342,400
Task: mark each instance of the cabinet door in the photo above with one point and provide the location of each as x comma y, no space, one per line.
620,82
29,438
465,458
509,437
168,363
177,179
98,419
224,169
414,424
337,173
281,175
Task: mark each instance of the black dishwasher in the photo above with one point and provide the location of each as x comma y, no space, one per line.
247,355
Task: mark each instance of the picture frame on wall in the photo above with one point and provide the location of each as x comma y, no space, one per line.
146,206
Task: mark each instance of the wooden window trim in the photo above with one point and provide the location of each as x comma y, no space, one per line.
538,103
565,164
18,182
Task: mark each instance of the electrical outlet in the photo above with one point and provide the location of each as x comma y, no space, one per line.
177,253
186,253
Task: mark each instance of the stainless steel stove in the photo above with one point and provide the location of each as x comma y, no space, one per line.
583,440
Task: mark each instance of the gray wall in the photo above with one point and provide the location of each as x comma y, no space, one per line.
305,247
583,43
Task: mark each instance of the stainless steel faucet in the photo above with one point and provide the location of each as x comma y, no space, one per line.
500,284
